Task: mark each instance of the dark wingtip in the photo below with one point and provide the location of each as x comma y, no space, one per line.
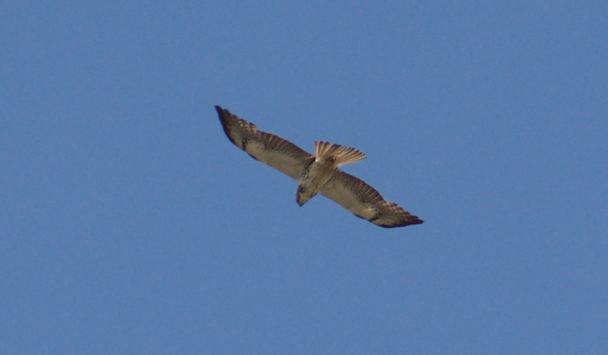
416,220
220,110
224,115
408,223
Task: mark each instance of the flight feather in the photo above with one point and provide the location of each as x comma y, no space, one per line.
268,148
317,174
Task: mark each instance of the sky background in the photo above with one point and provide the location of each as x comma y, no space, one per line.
129,224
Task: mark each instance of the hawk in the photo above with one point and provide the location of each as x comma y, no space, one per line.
318,173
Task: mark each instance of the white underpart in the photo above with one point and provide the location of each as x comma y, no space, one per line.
319,173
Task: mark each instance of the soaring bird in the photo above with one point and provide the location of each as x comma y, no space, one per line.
318,173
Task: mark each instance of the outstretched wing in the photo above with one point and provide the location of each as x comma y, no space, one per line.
272,150
366,202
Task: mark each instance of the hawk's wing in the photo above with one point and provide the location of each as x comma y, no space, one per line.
366,202
272,150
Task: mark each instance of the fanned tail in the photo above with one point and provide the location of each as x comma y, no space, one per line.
342,155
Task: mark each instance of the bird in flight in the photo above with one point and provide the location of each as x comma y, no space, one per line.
318,173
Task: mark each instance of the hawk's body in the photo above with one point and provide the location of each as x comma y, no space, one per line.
317,173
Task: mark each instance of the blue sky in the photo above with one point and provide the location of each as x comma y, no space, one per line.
130,224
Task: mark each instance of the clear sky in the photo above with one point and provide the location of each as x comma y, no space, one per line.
129,224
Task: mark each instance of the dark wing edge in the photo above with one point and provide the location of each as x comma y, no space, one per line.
365,202
268,148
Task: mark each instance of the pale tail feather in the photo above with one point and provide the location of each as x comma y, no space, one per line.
343,155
